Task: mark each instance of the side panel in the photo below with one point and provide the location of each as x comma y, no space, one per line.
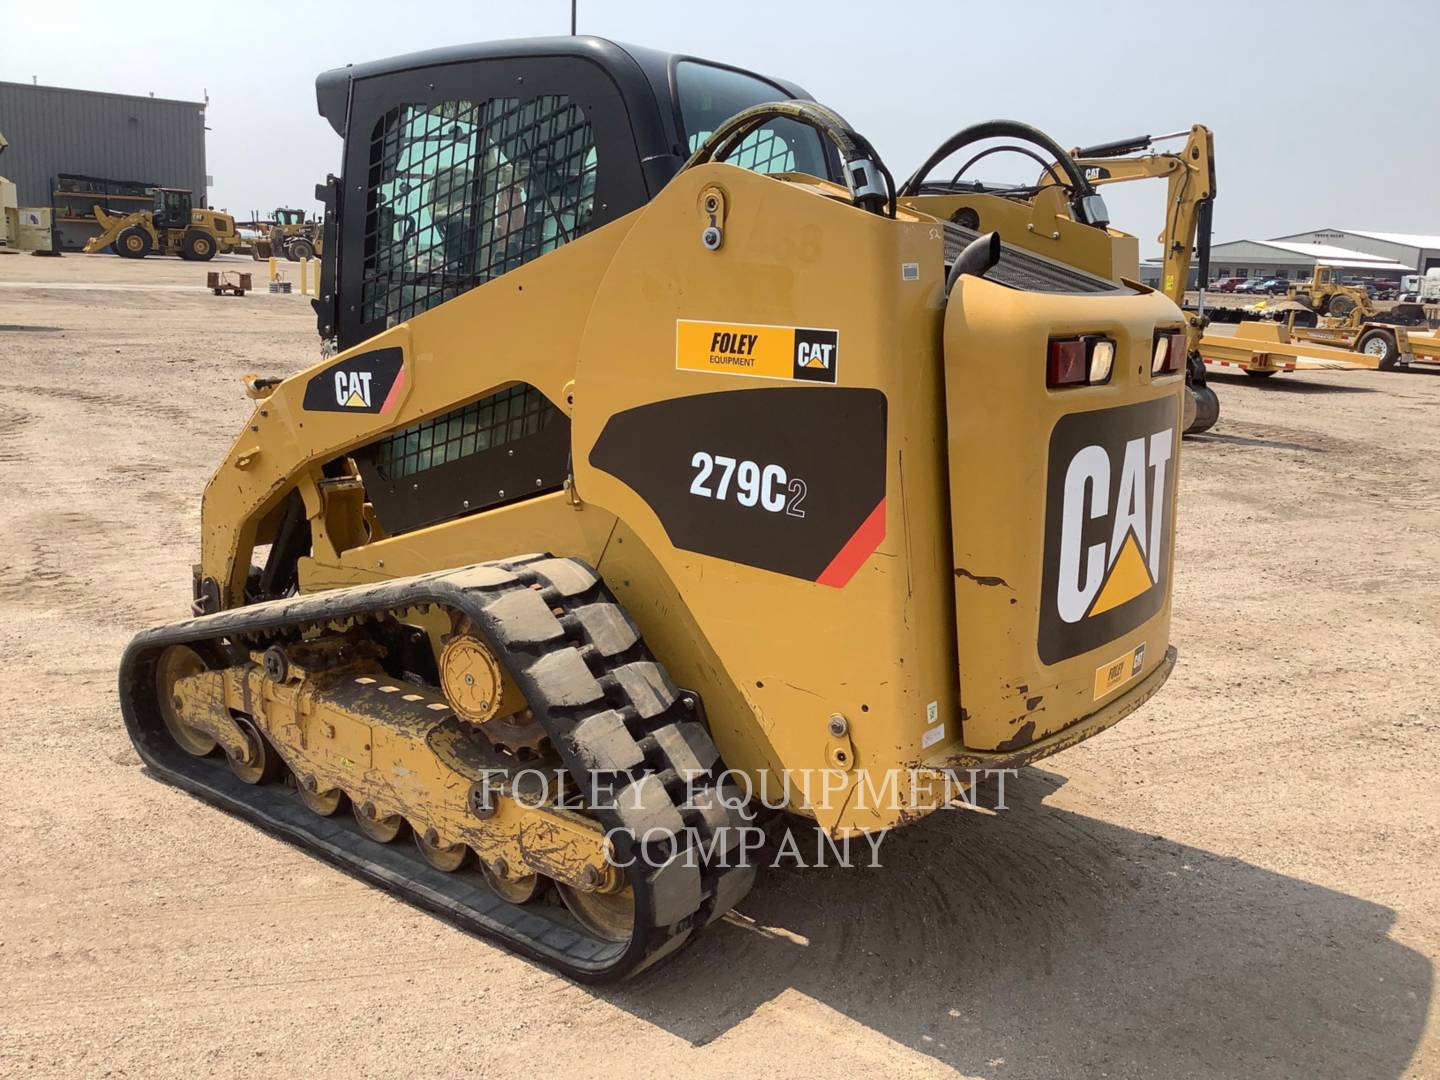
659,438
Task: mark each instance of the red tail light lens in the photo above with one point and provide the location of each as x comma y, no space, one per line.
1067,363
1080,361
1169,355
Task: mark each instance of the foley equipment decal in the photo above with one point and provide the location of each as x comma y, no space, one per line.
1108,526
369,383
779,478
760,352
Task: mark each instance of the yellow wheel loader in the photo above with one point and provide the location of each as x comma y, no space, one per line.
671,472
172,226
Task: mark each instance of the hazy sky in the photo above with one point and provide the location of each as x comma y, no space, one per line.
1324,113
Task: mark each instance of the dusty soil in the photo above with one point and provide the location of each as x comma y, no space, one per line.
1242,880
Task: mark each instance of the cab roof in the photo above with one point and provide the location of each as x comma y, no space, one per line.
638,72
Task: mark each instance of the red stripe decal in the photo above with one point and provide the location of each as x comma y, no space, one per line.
856,550
394,395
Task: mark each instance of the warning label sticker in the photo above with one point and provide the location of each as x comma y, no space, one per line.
762,352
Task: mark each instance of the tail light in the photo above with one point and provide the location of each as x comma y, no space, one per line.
1080,361
1169,355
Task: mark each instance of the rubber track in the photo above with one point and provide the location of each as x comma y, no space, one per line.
606,703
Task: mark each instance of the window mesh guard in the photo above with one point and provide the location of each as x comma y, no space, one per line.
460,193
493,421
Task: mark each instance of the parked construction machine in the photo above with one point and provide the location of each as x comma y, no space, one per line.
674,466
1189,175
1327,312
286,234
172,226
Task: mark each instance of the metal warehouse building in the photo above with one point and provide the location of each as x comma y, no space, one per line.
137,141
1295,260
1419,251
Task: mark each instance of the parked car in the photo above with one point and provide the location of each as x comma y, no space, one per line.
1225,284
1274,286
1249,285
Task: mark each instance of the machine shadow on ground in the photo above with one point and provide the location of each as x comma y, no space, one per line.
1245,440
1285,383
1065,946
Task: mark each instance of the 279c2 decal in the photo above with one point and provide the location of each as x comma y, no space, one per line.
779,478
765,486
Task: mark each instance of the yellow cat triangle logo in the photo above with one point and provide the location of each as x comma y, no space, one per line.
355,401
1129,578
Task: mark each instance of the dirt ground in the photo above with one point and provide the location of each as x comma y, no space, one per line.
1241,880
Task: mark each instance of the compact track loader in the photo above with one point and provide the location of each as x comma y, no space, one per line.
670,472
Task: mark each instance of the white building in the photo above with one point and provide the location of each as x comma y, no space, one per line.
1419,251
1295,260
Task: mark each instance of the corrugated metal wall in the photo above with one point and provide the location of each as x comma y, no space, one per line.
53,130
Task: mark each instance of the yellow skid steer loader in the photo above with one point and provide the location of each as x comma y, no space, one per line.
669,472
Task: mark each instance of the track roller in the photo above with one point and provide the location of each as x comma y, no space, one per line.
443,857
383,830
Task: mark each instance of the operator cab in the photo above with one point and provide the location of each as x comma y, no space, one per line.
463,163
171,208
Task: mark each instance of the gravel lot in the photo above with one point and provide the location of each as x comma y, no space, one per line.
1242,880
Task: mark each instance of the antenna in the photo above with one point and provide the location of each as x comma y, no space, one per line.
572,17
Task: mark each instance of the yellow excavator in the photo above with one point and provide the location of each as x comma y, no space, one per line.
1189,175
674,467
172,226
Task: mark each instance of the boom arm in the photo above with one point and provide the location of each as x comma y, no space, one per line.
1191,189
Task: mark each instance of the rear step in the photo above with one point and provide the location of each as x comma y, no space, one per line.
672,902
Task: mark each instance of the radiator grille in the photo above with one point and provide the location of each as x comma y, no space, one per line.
1028,272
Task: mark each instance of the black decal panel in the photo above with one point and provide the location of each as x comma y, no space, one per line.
1108,525
367,383
784,479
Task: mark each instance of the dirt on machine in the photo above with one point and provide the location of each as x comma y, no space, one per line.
676,473
173,225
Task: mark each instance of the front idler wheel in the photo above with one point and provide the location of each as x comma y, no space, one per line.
176,663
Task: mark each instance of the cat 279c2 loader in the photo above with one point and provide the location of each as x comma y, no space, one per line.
834,501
